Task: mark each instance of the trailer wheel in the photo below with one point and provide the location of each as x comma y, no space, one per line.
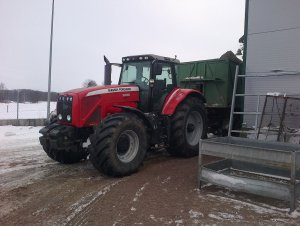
119,145
188,126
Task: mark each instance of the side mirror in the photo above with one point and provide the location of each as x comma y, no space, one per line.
151,82
157,69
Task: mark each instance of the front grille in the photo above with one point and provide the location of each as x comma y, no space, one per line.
64,108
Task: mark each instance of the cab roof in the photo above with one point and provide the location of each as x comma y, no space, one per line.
147,57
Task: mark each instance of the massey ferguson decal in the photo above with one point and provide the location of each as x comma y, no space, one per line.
121,89
113,90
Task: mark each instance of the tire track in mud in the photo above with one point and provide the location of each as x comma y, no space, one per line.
128,195
81,208
35,186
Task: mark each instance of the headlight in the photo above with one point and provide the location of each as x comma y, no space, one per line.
60,117
69,118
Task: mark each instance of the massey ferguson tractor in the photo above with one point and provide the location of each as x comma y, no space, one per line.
146,110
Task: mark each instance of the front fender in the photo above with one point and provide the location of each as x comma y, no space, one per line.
149,121
176,97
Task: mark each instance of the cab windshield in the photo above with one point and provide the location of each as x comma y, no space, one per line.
135,73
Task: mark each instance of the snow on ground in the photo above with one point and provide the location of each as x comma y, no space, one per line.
18,136
258,207
20,150
140,192
79,206
26,110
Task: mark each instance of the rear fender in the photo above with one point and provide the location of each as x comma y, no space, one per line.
176,97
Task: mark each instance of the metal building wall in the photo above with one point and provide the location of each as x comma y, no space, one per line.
273,47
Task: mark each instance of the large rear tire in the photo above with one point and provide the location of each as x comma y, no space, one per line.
188,126
119,144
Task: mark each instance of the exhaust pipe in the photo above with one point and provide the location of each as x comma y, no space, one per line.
107,72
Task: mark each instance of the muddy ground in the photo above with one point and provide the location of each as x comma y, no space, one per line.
35,190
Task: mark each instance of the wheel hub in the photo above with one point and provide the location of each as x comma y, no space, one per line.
194,128
123,144
190,128
127,146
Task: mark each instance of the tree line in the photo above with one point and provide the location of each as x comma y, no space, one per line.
25,95
33,96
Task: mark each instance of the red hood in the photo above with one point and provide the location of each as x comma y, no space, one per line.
90,105
85,91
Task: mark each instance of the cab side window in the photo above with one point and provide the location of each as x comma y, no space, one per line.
128,74
165,81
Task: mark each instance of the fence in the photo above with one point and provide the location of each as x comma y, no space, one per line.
24,113
23,122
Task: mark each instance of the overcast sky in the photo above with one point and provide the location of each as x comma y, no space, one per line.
85,30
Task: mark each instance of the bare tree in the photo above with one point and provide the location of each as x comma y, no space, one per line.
2,86
240,50
89,83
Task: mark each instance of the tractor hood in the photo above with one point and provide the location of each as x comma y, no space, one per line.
88,106
97,90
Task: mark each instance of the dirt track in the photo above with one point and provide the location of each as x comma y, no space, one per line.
163,192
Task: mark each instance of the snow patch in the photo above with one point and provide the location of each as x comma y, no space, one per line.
139,193
162,220
7,169
228,179
166,180
79,206
18,136
178,222
226,216
295,214
195,214
215,216
20,151
153,218
40,211
9,134
9,182
256,208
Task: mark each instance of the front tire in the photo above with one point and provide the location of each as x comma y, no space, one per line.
119,145
72,155
188,126
61,148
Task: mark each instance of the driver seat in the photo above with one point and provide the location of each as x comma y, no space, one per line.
159,94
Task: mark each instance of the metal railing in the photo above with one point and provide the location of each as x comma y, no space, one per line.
257,113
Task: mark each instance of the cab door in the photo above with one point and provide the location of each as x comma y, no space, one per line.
138,73
164,83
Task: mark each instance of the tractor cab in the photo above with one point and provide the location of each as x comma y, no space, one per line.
154,75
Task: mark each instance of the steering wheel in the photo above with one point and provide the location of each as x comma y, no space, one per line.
146,80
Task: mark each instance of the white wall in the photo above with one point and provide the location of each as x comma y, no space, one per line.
273,43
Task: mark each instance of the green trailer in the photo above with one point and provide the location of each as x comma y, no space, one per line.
214,78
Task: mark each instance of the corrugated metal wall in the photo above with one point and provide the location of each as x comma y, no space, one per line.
273,44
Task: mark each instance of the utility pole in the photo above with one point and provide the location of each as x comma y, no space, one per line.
18,101
50,62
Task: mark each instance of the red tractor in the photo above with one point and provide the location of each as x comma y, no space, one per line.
146,110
